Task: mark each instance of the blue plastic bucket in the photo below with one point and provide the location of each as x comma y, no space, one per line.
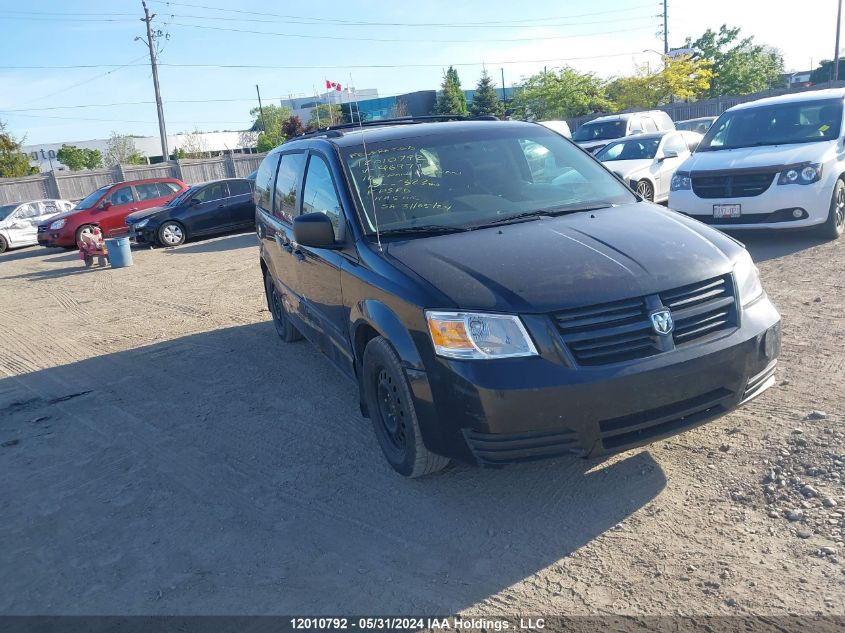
120,254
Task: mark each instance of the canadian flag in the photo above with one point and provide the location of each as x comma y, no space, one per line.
330,85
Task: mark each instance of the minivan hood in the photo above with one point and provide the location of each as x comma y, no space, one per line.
568,261
144,213
755,157
59,216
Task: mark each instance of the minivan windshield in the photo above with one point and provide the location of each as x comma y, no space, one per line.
491,175
90,200
780,124
600,131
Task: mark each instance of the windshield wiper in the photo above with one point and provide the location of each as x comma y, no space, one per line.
548,212
424,228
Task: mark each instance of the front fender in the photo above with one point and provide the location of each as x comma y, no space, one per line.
384,321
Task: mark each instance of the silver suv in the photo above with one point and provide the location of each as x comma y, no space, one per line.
595,134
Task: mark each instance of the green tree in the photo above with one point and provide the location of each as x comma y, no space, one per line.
325,115
273,118
293,127
13,162
740,66
486,99
120,149
681,78
76,158
824,72
560,94
451,99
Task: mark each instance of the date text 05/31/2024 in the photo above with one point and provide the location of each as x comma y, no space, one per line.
413,624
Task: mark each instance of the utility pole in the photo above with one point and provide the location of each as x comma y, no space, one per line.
666,26
150,42
260,108
504,98
836,55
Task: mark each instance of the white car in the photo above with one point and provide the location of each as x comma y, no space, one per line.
19,221
561,127
595,134
776,163
647,162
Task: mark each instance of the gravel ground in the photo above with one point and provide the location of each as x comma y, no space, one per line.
162,452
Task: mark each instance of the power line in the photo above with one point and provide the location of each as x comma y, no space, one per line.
341,22
402,39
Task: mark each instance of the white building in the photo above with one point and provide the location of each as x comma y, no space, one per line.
43,155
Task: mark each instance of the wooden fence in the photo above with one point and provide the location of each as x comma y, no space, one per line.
75,185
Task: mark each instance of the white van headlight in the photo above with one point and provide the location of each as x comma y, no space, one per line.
747,279
680,181
805,175
474,335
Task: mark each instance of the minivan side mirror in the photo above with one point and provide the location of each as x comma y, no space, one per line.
314,230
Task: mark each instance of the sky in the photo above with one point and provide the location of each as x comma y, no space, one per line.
88,75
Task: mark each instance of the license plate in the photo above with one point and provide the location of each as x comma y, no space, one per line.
727,210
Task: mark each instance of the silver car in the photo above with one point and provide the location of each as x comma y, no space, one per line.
19,221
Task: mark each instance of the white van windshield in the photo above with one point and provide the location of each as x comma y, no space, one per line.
784,123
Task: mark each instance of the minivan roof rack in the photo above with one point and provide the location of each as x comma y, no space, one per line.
334,131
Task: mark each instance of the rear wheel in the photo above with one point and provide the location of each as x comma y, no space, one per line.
835,224
392,412
171,234
646,190
284,328
3,244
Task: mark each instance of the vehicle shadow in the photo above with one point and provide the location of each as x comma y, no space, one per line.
56,273
28,252
217,244
766,245
229,473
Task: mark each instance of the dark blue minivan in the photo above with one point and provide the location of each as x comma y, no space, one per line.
498,295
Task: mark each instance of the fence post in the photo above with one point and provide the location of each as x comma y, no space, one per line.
53,185
119,175
177,167
229,163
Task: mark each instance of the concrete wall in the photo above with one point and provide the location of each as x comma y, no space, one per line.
75,185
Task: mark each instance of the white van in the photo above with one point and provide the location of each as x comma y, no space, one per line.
776,163
595,134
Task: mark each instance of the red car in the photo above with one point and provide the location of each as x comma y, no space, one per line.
107,208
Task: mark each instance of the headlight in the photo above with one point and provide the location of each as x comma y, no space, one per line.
141,224
680,181
57,224
472,335
804,175
747,279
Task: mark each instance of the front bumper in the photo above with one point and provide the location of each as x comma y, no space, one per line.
770,210
528,408
144,235
59,237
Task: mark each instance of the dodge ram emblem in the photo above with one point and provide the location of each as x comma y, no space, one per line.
662,321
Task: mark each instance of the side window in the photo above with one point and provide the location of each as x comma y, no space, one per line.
319,193
238,187
212,192
123,195
147,191
167,188
27,211
287,183
649,125
49,207
264,182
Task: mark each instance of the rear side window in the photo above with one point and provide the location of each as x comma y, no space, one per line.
123,195
212,192
238,187
49,207
319,193
264,182
167,188
148,191
287,185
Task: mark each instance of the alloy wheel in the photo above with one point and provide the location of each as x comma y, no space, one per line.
840,207
171,234
645,190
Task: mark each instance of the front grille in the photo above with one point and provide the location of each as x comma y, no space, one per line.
42,229
496,448
621,330
630,430
733,185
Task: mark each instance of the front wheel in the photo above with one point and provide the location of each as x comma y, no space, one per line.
392,412
646,190
171,234
84,230
835,224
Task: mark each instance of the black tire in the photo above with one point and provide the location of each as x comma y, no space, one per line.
646,190
284,328
3,244
82,229
392,412
835,225
171,233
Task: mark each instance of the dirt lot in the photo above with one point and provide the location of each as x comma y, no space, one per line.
163,452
